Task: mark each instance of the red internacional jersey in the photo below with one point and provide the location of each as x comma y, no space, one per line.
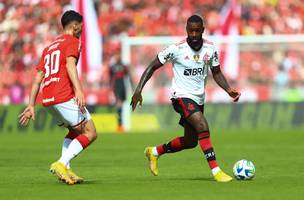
57,86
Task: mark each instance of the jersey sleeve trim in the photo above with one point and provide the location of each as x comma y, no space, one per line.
160,60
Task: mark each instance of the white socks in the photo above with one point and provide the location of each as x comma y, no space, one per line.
154,151
215,170
71,152
65,145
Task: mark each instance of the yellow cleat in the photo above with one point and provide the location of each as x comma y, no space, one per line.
59,170
152,161
74,176
222,177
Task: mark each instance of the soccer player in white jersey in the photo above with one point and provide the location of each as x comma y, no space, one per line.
191,59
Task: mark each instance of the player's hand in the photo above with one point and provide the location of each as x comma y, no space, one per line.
234,94
80,100
26,115
135,99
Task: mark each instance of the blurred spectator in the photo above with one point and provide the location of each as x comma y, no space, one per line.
16,93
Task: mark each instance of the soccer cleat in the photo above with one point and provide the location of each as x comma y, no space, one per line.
59,170
74,176
152,161
222,177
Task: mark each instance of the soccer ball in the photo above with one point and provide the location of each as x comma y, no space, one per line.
243,170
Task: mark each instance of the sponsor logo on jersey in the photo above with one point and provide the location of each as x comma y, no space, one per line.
193,72
53,79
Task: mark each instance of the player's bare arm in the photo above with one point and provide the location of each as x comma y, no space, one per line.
153,66
73,75
222,82
29,111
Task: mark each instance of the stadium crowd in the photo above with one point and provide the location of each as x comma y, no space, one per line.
26,26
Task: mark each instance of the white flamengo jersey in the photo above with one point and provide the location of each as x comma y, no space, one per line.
190,68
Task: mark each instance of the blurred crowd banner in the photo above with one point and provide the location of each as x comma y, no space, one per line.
241,116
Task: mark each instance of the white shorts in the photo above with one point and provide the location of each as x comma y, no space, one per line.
68,113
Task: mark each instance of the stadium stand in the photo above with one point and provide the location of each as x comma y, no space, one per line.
26,26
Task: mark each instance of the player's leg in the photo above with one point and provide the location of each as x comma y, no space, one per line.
87,135
188,141
57,168
76,146
87,130
72,134
82,130
119,103
200,125
120,95
67,141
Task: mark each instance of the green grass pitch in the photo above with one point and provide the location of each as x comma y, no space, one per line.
114,167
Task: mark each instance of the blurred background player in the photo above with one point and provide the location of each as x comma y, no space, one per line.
191,59
63,95
119,74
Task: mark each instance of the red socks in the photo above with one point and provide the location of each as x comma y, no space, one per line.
175,145
206,146
83,140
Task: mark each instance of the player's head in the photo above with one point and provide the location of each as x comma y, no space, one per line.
195,28
72,22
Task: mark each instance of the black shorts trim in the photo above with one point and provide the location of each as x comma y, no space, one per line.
79,123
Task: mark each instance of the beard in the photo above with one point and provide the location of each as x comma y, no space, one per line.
196,45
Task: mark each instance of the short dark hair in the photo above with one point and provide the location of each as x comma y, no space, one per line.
195,19
70,16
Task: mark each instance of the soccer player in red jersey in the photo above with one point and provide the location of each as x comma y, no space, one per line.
191,60
63,95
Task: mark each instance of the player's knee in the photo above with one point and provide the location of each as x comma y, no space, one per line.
90,131
190,144
200,127
92,135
